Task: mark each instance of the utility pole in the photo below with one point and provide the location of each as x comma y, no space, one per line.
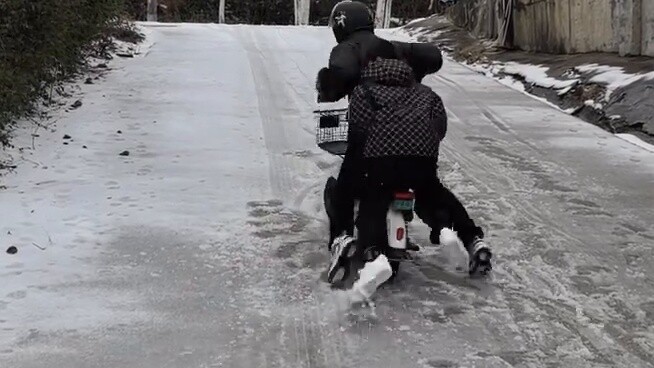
302,11
152,11
221,11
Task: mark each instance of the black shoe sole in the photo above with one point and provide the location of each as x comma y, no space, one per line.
342,262
481,268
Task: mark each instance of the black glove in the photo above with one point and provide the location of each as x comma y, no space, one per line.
327,86
320,83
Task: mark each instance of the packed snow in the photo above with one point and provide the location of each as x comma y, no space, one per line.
637,141
533,74
612,77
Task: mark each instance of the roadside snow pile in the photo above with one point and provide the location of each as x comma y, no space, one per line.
130,49
585,92
533,74
594,105
414,21
612,77
400,34
636,141
412,34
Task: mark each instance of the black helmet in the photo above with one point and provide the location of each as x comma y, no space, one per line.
348,17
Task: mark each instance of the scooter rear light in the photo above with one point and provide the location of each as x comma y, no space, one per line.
404,195
399,234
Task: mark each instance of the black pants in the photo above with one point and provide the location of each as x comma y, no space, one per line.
373,182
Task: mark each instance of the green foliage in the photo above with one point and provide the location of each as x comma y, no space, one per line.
43,42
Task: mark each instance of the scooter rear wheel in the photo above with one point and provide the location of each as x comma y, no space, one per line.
395,266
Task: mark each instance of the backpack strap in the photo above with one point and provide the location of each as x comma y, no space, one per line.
365,85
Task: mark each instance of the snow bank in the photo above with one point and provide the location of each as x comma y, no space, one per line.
593,104
612,77
128,49
636,141
415,21
534,74
397,34
150,39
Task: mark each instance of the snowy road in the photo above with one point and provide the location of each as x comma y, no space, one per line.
205,246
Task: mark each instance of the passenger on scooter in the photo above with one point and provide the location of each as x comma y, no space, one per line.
381,156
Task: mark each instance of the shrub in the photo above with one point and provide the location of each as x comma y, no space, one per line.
42,43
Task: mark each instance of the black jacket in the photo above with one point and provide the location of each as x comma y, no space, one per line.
351,56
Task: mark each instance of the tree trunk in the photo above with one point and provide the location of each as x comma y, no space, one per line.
221,11
152,11
302,8
387,13
379,14
383,13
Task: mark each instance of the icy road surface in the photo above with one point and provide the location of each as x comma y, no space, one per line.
205,247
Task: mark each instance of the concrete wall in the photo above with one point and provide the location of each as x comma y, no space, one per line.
647,35
591,26
566,26
626,26
542,26
480,17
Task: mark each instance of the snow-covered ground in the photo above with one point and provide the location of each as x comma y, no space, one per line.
205,246
612,77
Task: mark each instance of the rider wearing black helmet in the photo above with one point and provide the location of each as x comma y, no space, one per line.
353,25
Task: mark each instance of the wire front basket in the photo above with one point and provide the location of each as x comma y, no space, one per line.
331,130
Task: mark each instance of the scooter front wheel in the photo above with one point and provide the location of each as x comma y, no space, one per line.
328,201
328,196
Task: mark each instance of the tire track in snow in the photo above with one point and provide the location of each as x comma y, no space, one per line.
488,113
272,105
309,333
298,84
478,182
554,279
297,331
285,114
298,64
